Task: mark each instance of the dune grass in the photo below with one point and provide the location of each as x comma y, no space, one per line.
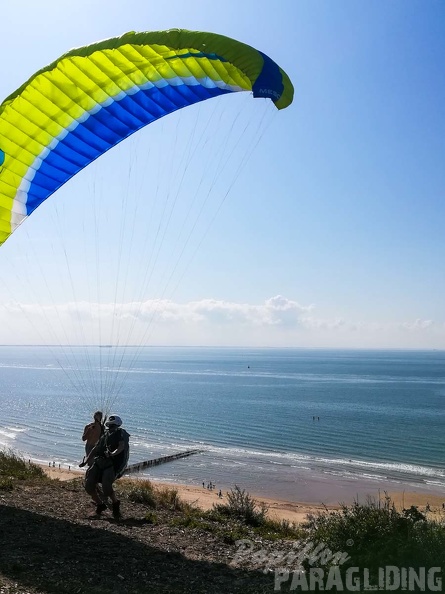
14,467
375,535
145,492
367,535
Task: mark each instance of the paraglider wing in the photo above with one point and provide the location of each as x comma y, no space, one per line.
69,113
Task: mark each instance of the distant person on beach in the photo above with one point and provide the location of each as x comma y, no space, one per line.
92,432
108,461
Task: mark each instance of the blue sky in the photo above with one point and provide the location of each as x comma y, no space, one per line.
331,235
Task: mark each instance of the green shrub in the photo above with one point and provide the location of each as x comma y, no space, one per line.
244,507
377,535
274,529
268,528
215,515
6,484
232,535
13,466
193,521
150,517
141,492
168,498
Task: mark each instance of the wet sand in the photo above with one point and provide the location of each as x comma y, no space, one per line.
293,511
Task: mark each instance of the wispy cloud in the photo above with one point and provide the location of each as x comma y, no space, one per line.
273,312
418,325
278,321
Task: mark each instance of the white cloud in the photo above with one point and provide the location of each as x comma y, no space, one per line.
278,321
275,311
417,325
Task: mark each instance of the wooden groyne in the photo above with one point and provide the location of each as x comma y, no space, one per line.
163,460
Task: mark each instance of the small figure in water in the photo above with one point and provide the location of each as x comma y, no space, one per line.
92,432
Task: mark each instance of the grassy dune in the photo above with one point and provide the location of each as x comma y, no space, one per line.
162,544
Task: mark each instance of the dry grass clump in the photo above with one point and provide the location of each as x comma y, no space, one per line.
145,492
140,492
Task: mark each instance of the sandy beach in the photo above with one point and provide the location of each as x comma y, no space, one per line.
293,511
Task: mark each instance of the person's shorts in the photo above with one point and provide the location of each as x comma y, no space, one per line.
95,475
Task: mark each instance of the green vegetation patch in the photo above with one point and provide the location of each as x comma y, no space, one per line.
239,518
13,466
155,497
376,535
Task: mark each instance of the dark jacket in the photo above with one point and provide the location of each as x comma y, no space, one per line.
110,441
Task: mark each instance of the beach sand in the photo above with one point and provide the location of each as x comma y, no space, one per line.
293,511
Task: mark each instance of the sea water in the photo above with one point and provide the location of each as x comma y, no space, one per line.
318,425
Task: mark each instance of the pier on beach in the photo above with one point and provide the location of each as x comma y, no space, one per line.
162,460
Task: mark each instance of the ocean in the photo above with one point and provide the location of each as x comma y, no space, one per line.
298,424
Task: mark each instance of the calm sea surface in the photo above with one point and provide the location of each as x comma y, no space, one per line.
303,424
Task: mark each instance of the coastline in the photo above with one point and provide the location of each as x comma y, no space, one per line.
279,509
256,426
